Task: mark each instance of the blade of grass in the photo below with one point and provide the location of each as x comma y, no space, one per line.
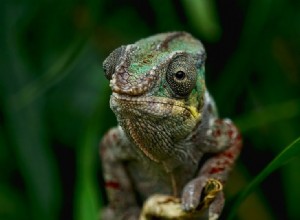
87,197
236,73
87,204
291,183
55,74
26,130
268,114
239,178
290,152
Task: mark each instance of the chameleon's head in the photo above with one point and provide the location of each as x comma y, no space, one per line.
178,57
158,87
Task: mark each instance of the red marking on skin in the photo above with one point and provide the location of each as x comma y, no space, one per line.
114,136
230,133
229,154
226,163
215,170
217,133
112,184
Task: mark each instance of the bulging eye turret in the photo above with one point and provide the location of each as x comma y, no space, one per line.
111,61
181,75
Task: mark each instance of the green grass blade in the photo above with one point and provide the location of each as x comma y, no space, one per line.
52,76
25,130
235,75
87,204
203,17
268,114
87,197
290,152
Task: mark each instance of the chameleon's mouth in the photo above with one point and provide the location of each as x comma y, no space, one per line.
135,99
155,105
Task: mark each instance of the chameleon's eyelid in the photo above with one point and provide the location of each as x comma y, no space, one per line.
177,55
170,59
199,57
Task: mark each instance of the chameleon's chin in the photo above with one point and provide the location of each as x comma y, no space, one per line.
156,125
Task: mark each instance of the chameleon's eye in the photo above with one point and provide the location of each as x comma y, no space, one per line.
181,76
111,61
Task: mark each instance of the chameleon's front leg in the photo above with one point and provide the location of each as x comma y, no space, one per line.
222,134
122,201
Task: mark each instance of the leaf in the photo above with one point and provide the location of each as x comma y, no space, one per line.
52,76
290,152
203,16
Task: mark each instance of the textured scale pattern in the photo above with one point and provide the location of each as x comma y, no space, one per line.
167,122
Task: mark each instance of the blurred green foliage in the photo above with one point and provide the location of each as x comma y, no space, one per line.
54,97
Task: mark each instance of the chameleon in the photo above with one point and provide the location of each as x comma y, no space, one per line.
169,139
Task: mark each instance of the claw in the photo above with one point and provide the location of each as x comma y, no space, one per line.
192,199
189,205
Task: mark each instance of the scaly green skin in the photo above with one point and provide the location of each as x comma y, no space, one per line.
167,121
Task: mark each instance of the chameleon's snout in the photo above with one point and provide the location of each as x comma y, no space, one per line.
122,82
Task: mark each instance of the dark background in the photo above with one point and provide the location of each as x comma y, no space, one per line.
54,97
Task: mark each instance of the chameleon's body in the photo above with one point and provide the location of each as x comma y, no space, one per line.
167,122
